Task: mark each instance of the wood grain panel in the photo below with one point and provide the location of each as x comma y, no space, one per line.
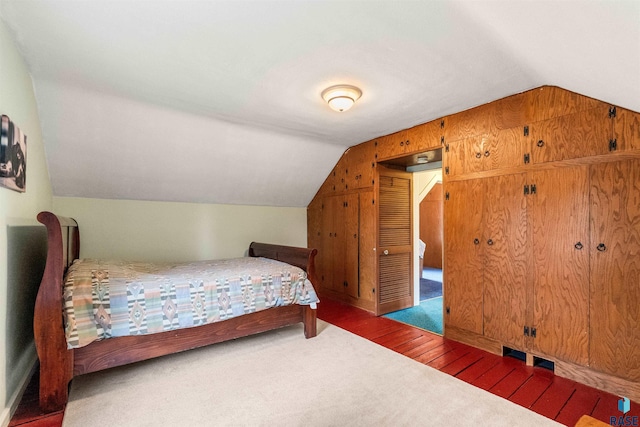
431,226
324,261
513,111
328,187
559,219
504,148
340,180
367,243
351,220
314,223
472,122
505,241
392,145
464,156
582,134
627,129
424,137
463,267
615,269
551,102
360,165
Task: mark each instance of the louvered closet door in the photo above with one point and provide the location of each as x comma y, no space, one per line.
395,272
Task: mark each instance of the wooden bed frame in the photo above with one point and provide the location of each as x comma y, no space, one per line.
58,365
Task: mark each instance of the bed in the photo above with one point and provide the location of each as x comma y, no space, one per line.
59,363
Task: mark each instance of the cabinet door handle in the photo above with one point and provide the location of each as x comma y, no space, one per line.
540,143
601,247
487,153
490,242
578,246
476,241
386,252
478,155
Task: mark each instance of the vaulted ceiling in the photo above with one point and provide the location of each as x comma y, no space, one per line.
219,101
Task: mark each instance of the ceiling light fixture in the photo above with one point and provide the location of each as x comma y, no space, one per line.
341,97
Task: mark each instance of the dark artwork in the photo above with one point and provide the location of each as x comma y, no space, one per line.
13,156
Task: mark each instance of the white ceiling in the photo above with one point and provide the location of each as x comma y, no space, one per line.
219,101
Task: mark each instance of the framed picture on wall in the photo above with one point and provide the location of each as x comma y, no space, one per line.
13,156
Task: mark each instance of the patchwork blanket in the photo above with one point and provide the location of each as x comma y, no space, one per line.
106,299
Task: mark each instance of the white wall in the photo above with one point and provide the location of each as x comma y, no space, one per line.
17,213
170,231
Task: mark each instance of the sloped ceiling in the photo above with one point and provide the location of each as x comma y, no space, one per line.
219,101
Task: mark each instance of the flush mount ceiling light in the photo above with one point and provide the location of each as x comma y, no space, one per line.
341,97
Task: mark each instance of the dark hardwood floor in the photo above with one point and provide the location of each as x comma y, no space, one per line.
535,388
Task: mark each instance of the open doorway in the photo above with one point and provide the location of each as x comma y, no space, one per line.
428,205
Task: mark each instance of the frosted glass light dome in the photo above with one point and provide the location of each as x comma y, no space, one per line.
341,97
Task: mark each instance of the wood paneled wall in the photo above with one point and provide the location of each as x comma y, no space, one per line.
541,229
431,225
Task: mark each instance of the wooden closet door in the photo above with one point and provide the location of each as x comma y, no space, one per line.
391,146
367,251
504,148
350,219
505,241
334,243
615,269
558,213
395,241
626,129
582,134
325,266
463,269
464,156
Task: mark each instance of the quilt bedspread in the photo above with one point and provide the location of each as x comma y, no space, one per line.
106,299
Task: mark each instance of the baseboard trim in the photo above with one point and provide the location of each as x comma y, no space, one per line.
473,339
599,380
14,400
344,298
582,374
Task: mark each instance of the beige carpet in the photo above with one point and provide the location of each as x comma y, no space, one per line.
278,379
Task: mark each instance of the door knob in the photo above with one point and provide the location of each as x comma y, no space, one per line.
386,252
